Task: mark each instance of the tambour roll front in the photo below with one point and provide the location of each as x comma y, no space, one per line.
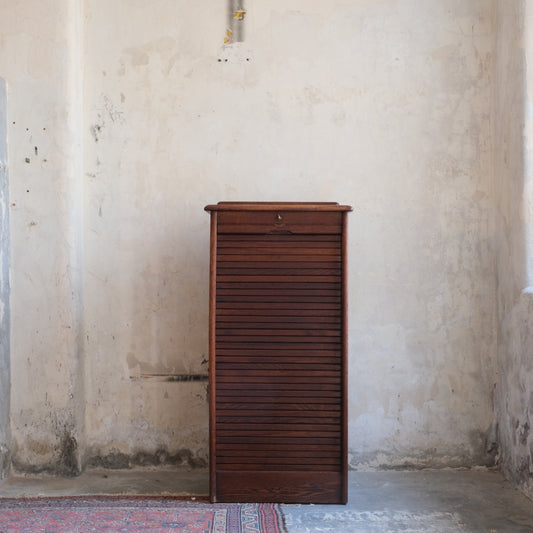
278,352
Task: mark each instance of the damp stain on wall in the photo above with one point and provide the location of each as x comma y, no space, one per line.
116,460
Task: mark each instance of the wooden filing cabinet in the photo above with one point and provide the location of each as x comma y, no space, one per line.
278,352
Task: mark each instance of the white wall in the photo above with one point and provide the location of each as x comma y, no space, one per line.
38,57
384,105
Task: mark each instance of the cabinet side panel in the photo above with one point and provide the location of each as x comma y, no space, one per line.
345,365
212,361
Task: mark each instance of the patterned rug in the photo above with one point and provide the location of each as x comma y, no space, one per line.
130,515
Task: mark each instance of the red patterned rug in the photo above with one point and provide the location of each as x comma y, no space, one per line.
129,515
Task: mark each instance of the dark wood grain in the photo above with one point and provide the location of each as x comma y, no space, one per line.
278,352
280,486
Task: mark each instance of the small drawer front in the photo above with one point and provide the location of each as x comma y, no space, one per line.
265,222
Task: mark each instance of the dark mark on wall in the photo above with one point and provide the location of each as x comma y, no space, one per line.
188,377
27,160
118,460
524,434
172,378
68,459
95,130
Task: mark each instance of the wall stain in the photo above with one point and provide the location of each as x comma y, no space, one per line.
95,131
118,460
66,462
68,457
523,434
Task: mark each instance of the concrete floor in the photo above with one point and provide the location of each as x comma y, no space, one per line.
142,481
444,501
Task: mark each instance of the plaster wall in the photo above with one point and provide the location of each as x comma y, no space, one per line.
385,105
4,288
514,208
38,56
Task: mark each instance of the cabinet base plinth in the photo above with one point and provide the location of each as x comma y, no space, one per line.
279,487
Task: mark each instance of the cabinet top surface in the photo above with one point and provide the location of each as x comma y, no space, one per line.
276,206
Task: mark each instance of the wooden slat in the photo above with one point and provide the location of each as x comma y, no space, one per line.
265,277
263,406
279,255
278,362
254,292
240,300
261,396
276,326
287,340
279,406
271,306
266,446
283,415
272,238
232,315
275,251
268,459
275,419
278,285
279,311
262,350
278,263
282,346
302,442
240,468
273,388
255,453
245,367
272,458
250,427
280,332
279,272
